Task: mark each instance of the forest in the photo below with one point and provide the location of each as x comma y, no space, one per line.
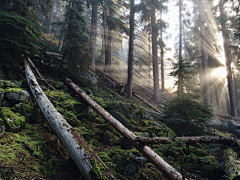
119,89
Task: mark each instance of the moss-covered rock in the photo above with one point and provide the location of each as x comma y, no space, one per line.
2,127
16,95
32,114
14,121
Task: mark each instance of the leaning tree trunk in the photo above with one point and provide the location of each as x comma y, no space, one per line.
154,158
61,127
232,164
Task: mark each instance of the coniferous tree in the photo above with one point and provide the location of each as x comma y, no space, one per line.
76,42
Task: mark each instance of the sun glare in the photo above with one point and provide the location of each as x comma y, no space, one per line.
220,72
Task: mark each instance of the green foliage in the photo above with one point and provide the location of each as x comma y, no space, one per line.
16,36
185,115
185,71
76,41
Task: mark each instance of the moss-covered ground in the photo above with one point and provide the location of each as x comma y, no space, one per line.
36,153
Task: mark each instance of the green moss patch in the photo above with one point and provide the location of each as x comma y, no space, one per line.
14,121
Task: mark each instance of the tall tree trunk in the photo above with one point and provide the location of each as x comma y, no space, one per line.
93,34
50,23
154,55
231,89
180,78
149,55
217,98
206,90
108,51
130,52
162,53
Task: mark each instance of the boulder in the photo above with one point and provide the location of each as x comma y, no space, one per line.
234,128
2,127
126,144
141,161
108,138
1,96
88,76
18,96
14,122
119,117
218,124
130,169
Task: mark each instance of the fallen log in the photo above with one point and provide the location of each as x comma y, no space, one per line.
63,130
154,158
190,140
39,74
232,164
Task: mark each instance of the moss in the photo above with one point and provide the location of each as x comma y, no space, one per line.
11,119
2,84
104,156
13,90
96,170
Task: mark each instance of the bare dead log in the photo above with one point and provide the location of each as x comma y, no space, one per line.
232,164
39,74
154,158
190,140
63,130
150,105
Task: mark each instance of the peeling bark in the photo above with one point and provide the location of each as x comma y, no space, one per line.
61,127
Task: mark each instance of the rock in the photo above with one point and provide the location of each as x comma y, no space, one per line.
32,114
141,161
136,115
17,97
14,122
217,124
117,158
130,169
145,134
6,103
108,138
88,76
234,128
59,85
2,85
1,96
2,127
2,75
119,117
126,144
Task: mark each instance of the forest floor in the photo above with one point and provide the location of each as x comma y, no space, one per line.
36,153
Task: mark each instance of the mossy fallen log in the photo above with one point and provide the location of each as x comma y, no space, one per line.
232,164
69,138
153,157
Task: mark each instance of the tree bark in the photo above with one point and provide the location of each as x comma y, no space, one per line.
63,130
154,158
231,89
162,54
154,54
190,140
217,93
130,52
206,90
180,78
93,34
108,51
50,23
